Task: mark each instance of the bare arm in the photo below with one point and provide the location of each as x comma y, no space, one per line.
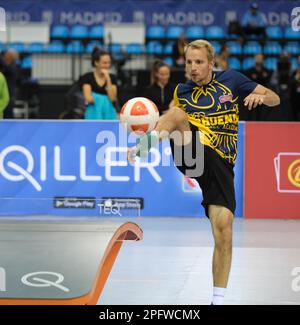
261,95
110,87
87,93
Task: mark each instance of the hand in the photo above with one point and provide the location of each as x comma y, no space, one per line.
105,73
253,100
131,154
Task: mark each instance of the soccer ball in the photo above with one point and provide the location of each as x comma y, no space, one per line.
139,115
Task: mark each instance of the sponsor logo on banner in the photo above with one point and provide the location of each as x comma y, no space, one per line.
124,202
44,279
116,206
287,171
74,202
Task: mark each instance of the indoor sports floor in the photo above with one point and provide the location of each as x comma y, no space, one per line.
172,263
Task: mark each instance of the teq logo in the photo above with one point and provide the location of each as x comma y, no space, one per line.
35,280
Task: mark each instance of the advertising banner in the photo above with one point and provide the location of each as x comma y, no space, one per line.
80,168
272,170
165,13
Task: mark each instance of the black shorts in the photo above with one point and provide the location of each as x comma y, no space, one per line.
217,180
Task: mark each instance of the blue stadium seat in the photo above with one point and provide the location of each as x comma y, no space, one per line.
155,32
134,48
75,47
272,48
217,47
248,63
214,32
79,32
289,33
154,47
18,46
115,48
251,48
55,47
168,60
59,31
271,63
168,49
26,63
235,48
195,32
234,63
292,48
274,32
295,63
36,47
96,32
174,32
90,46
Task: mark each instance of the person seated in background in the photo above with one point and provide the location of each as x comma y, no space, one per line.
253,22
99,88
262,76
221,63
258,72
161,89
10,70
178,50
4,95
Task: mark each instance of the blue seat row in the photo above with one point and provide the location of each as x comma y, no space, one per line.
269,63
234,63
171,32
270,48
152,47
77,32
213,32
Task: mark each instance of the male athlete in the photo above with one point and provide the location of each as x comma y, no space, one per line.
208,102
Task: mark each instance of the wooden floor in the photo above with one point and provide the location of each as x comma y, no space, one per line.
172,264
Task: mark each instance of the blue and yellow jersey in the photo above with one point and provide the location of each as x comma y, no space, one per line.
213,108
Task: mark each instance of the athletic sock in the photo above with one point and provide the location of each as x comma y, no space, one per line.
145,143
218,296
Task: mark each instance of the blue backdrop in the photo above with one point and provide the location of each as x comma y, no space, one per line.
90,12
68,168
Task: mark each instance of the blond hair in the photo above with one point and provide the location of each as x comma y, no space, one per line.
199,44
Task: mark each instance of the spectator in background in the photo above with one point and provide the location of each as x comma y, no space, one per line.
178,51
11,73
253,22
281,80
260,75
221,63
161,89
295,92
100,88
4,95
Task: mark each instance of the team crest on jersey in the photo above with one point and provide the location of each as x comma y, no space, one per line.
225,98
